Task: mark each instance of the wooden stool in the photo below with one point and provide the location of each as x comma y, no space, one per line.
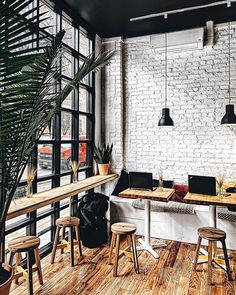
117,230
213,235
29,245
70,222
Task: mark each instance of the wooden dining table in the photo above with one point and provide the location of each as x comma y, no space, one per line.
148,196
212,202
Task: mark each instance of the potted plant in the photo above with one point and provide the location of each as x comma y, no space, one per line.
28,100
102,156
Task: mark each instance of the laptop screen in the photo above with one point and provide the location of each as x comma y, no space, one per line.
140,180
202,185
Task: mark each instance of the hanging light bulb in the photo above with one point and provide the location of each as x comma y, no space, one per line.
165,118
229,117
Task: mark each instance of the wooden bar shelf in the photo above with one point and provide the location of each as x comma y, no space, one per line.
25,205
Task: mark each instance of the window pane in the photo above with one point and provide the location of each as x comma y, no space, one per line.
65,157
43,224
65,212
86,79
84,105
66,125
47,133
44,159
65,180
83,157
24,175
20,192
44,185
82,175
69,30
67,65
67,103
48,19
45,239
15,220
84,128
84,42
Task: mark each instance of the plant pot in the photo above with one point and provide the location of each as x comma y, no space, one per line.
6,274
103,169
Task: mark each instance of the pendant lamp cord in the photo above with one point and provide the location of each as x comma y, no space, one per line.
165,70
229,67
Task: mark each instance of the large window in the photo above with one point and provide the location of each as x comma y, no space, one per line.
70,134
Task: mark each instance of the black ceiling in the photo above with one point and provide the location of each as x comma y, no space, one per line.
109,18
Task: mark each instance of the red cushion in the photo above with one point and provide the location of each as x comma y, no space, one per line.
180,192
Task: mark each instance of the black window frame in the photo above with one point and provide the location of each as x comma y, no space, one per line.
30,220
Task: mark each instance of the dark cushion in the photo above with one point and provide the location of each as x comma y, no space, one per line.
180,192
122,184
231,190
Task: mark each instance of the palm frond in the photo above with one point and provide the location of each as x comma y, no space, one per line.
28,99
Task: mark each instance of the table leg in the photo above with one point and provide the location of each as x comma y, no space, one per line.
146,243
212,215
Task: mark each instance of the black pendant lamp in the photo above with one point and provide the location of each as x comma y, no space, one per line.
165,118
229,117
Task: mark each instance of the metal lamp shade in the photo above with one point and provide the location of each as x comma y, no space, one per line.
229,117
165,118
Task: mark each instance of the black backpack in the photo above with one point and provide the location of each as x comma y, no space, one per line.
93,223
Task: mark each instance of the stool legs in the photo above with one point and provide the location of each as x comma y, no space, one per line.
29,267
226,260
210,248
71,246
197,253
115,243
63,237
71,242
116,255
18,263
38,263
55,244
29,273
113,240
11,258
136,267
78,240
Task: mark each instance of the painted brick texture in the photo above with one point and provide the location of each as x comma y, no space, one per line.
197,94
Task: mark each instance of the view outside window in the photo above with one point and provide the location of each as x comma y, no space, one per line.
69,135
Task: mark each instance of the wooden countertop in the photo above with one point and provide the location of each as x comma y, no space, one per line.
211,200
155,195
25,205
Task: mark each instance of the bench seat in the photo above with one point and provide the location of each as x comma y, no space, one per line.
171,207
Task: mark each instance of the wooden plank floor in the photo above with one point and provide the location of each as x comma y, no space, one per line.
171,274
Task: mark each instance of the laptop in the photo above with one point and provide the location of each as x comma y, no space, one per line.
140,181
204,185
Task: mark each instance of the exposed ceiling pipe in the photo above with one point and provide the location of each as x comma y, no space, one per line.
166,13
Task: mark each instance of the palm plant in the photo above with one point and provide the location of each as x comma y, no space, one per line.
28,99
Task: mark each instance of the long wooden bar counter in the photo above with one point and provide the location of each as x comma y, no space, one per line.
25,205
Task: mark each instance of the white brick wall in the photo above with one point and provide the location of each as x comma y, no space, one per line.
197,94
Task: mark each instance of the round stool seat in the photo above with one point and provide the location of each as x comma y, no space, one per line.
122,228
22,244
68,221
211,233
